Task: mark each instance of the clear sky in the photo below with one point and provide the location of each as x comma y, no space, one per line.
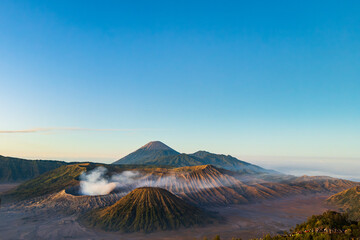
272,82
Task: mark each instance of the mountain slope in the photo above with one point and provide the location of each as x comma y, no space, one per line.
348,201
199,185
229,162
217,160
152,150
321,183
329,225
49,182
158,154
147,209
17,169
64,201
209,185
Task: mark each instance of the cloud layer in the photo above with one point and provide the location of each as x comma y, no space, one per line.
55,129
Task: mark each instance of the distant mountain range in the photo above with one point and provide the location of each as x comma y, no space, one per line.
157,153
17,169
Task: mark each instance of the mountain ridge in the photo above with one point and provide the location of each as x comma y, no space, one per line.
157,153
14,169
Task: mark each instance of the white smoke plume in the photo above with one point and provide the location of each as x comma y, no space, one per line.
95,181
125,178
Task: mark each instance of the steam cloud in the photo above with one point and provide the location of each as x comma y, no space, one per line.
95,182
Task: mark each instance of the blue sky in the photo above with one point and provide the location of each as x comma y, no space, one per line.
266,81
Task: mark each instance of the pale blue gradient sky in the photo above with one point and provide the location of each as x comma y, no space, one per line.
256,79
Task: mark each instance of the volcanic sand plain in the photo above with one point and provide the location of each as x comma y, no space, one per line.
245,221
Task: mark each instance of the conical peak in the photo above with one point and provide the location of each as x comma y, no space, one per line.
156,145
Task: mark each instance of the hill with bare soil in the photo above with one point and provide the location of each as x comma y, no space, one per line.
147,209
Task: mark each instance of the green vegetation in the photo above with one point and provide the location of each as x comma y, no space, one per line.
328,226
49,182
147,209
17,169
217,237
180,160
348,201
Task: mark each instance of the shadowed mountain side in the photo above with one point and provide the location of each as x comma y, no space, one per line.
47,183
58,179
147,209
17,169
229,162
348,201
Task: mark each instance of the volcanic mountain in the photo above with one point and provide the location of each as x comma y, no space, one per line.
47,183
202,185
66,202
56,180
348,201
158,154
152,150
147,209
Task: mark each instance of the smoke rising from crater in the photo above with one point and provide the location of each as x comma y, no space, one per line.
95,182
